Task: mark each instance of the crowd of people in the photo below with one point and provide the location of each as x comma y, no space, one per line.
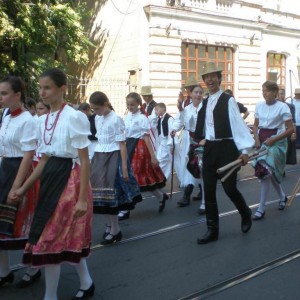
60,165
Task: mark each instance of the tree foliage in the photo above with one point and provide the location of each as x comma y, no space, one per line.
35,35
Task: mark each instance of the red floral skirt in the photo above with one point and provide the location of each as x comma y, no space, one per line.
148,176
64,238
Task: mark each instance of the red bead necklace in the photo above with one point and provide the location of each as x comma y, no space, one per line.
52,126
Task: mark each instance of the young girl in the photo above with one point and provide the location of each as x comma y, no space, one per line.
114,185
272,125
32,274
17,144
61,228
42,108
140,151
187,119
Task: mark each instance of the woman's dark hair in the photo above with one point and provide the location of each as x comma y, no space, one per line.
271,86
195,86
46,105
99,98
84,107
138,99
56,75
17,85
29,102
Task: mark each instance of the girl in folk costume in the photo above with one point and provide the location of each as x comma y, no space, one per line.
17,144
272,125
113,182
61,228
140,152
187,119
32,274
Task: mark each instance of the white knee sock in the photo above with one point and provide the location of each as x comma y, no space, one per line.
84,275
158,194
264,190
4,263
114,222
52,274
278,188
202,205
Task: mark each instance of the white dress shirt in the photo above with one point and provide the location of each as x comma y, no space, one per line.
110,132
71,133
17,135
136,125
272,116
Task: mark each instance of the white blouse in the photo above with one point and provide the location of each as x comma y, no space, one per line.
240,132
110,131
18,135
136,125
70,133
187,118
272,116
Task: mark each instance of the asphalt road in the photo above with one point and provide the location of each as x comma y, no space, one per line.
159,258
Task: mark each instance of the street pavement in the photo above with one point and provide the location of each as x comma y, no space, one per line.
159,258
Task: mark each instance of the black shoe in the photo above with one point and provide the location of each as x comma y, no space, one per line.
246,221
183,203
258,215
32,278
7,279
281,205
210,236
86,294
162,203
201,211
106,233
114,238
186,199
123,215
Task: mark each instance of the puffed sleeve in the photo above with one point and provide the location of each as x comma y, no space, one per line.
120,130
28,135
240,131
145,125
79,130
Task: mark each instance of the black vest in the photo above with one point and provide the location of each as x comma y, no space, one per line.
164,123
221,119
150,107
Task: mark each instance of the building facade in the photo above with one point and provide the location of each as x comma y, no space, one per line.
161,42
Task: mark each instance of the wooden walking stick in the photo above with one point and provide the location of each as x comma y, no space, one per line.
294,193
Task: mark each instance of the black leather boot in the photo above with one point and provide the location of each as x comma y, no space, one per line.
212,233
185,201
199,195
210,236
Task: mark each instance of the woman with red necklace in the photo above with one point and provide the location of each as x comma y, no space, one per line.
61,228
17,145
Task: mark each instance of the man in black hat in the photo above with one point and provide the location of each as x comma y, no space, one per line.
227,138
